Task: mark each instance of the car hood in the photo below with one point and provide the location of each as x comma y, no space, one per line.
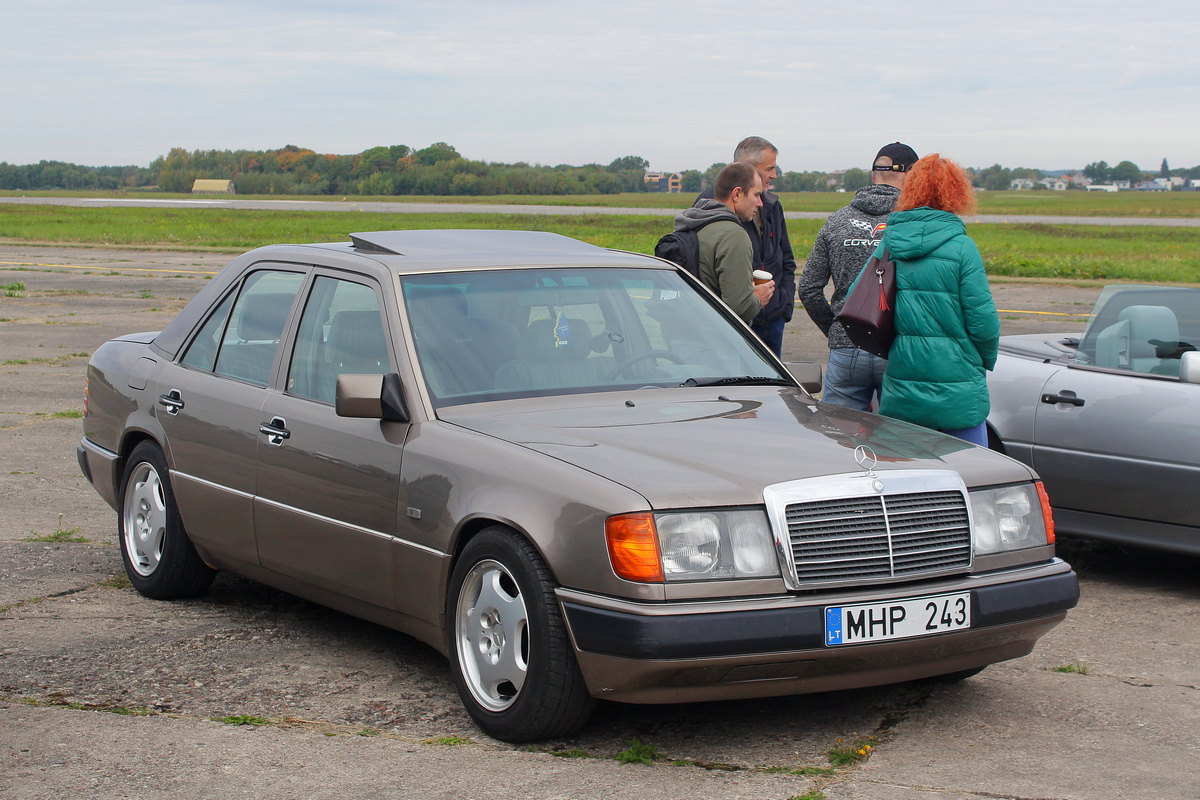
700,447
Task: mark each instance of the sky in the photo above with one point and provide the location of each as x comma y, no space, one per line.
1023,83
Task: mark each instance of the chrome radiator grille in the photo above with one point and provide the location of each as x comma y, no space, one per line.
878,538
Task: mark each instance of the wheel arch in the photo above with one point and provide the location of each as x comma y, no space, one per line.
994,440
129,442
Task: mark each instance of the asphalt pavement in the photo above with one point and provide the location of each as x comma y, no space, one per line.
396,207
106,694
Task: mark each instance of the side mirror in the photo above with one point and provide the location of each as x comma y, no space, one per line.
807,374
1189,367
371,397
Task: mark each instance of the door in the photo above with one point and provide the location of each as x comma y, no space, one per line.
208,405
1122,444
327,485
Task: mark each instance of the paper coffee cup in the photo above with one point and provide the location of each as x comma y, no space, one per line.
761,276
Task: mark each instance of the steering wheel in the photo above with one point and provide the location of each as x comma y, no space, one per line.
643,356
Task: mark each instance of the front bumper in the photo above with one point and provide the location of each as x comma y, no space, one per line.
679,653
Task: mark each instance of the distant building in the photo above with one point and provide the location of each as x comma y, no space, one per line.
1018,184
206,186
1153,186
1101,187
664,181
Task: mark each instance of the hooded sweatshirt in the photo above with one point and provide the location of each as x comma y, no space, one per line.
947,329
772,252
844,244
726,255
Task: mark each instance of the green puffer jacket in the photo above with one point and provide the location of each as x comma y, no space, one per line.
947,329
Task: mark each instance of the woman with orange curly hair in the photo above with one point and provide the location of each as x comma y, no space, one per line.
947,329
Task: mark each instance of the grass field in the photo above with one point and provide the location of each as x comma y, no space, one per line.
1041,203
1066,252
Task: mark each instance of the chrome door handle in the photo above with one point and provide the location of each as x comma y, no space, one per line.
172,401
1069,399
275,430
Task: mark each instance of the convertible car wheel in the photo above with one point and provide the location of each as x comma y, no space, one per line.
509,651
159,558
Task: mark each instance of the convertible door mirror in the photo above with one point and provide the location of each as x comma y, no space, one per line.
371,397
807,374
1189,367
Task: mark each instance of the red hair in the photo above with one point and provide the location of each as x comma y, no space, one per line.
939,183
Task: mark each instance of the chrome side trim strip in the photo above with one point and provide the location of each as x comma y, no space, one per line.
88,444
218,486
318,517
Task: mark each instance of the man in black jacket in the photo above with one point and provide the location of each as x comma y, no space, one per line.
843,245
772,249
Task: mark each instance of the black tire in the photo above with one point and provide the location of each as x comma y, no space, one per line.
510,654
160,560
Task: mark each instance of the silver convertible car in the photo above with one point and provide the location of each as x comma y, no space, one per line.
572,470
1110,417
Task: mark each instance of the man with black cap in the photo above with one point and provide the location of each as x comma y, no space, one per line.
845,242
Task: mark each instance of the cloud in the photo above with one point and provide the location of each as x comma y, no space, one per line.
1025,83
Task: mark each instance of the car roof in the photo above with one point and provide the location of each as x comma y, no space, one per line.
425,250
409,253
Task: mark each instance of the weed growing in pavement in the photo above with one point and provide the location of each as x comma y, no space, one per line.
448,741
639,753
815,794
368,732
129,712
797,770
72,536
243,719
60,535
1078,669
14,289
572,753
843,754
118,581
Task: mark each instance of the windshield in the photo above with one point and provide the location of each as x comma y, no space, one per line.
1143,329
518,333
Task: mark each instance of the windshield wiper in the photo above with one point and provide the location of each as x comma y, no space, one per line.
745,380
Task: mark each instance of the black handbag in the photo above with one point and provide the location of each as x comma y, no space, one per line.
868,315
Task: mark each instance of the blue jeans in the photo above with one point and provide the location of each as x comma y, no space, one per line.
976,434
772,334
853,377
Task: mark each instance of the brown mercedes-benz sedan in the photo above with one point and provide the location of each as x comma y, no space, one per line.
570,469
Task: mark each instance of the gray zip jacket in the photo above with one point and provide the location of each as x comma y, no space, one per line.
843,245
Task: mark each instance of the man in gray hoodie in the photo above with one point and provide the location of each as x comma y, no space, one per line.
843,245
726,253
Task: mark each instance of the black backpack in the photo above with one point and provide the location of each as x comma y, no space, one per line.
683,247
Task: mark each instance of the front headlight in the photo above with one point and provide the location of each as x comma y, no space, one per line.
692,546
716,545
1010,518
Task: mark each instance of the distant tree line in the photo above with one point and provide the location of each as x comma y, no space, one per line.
439,169
396,170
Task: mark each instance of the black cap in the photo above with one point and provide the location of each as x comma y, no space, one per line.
902,157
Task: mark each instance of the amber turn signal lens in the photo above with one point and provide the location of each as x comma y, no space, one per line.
1046,514
633,547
